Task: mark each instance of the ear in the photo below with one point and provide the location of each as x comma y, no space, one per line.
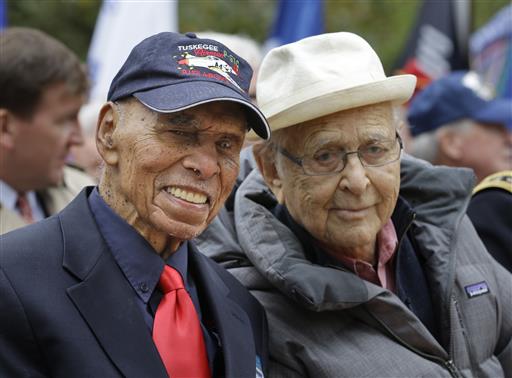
108,120
451,144
265,159
8,125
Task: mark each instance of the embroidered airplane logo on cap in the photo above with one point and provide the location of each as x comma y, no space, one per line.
210,62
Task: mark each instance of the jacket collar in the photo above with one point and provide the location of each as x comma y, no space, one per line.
279,257
102,295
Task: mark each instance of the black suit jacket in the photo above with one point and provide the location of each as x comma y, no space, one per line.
66,309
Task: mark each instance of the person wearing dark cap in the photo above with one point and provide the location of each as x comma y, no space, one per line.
456,122
490,210
110,286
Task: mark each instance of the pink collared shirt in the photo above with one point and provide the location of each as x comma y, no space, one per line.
384,274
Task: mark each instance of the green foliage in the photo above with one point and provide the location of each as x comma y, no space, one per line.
70,21
250,17
384,23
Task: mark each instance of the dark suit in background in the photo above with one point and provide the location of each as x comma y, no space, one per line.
490,210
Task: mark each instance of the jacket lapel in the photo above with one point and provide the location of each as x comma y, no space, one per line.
103,297
232,322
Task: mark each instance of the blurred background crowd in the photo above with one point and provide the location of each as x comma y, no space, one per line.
460,50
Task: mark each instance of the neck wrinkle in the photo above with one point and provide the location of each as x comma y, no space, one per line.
365,253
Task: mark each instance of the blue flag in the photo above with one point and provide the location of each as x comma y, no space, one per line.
3,14
296,20
491,52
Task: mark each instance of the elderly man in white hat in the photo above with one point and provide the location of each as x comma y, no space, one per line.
365,267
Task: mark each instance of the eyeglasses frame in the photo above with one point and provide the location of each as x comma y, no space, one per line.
299,160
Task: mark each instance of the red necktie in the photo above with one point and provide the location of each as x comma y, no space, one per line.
177,332
24,208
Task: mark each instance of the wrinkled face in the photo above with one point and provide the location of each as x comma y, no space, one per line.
487,149
347,209
174,171
43,141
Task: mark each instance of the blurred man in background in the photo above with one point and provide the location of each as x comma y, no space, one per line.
86,155
455,122
42,87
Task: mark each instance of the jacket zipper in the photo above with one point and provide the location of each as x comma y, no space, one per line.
464,334
448,364
454,372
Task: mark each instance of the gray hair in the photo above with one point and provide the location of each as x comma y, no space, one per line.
426,146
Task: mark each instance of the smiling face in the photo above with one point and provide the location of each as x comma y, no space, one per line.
169,174
343,211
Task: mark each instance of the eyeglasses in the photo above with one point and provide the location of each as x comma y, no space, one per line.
327,161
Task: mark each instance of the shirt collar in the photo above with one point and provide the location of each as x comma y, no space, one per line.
140,263
8,196
387,241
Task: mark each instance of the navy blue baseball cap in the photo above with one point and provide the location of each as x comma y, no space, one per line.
169,72
454,97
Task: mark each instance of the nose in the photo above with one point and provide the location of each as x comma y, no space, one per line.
354,176
203,161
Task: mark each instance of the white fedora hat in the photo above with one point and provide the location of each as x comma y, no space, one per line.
322,75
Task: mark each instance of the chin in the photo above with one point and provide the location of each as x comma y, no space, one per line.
182,231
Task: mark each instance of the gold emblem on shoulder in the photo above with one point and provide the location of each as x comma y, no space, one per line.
501,180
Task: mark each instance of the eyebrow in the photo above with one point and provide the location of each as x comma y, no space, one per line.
183,120
376,137
328,141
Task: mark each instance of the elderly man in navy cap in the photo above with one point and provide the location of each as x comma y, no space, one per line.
456,122
110,287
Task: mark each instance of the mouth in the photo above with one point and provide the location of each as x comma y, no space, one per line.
348,213
187,195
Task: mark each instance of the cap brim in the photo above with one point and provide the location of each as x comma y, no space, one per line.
497,111
397,89
181,96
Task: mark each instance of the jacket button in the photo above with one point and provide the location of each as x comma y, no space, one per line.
143,287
